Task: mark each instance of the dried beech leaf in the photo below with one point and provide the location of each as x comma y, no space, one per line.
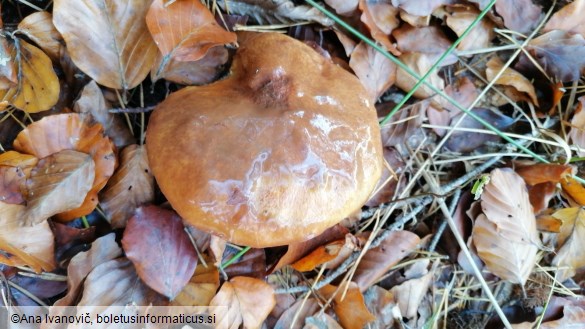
343,7
249,302
510,78
107,40
410,39
519,15
506,237
350,307
540,195
577,134
377,261
157,244
92,103
459,18
60,132
29,245
14,169
275,11
321,321
544,173
419,63
39,28
102,250
410,294
201,287
8,71
380,302
38,87
376,72
185,30
200,72
570,18
574,189
380,17
570,256
131,186
58,183
560,53
293,317
251,264
420,8
319,256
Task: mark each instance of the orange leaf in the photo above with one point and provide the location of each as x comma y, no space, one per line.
249,301
543,173
68,132
185,30
107,40
351,308
319,256
380,18
574,189
40,29
569,253
547,223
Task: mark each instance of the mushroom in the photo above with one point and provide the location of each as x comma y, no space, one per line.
285,147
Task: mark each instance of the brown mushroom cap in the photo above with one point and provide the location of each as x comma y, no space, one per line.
284,148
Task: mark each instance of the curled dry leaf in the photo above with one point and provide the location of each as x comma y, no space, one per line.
249,302
92,103
577,133
275,12
570,18
27,245
184,30
131,186
201,287
60,132
410,294
38,87
574,189
377,261
157,244
459,18
14,169
200,72
350,307
319,256
107,40
519,15
39,28
561,54
376,72
506,237
58,183
511,78
380,17
570,256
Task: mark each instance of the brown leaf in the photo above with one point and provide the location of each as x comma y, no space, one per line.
419,63
519,15
349,308
319,256
201,287
547,223
577,133
251,264
380,302
158,246
321,321
465,141
410,39
293,317
410,294
38,87
569,18
570,254
543,173
8,72
419,8
389,181
131,186
92,103
249,302
58,183
30,245
60,132
376,72
14,169
39,28
109,41
510,78
380,17
343,7
459,18
203,71
540,195
574,189
377,261
506,237
561,54
275,12
185,30
404,128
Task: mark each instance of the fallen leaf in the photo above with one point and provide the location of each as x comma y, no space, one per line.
92,103
380,303
158,246
39,28
293,317
465,141
519,15
377,261
419,8
343,7
463,91
275,12
132,185
376,72
319,256
505,237
58,183
203,71
544,173
409,39
574,189
14,169
350,307
420,64
459,18
107,40
201,287
321,321
409,295
380,17
8,71
577,133
60,132
511,78
561,54
38,86
569,19
249,302
30,245
70,240
404,128
389,181
184,30
251,264
569,256
548,223
540,195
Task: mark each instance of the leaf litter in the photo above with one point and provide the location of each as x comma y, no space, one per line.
391,264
